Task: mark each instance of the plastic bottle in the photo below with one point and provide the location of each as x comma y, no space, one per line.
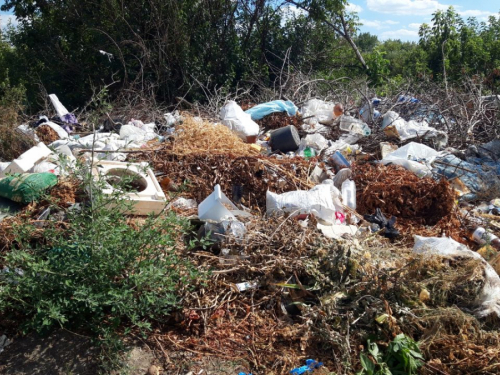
349,193
481,236
353,125
309,153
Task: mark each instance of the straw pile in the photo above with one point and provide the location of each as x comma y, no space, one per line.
208,138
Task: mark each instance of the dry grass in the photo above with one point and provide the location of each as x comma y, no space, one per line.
205,137
13,143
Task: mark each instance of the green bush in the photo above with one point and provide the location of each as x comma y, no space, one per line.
96,271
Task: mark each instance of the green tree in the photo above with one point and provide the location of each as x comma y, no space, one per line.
367,42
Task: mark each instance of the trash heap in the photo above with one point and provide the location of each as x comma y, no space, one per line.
318,238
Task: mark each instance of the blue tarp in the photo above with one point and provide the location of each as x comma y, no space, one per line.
264,109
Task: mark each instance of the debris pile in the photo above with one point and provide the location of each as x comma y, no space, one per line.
318,227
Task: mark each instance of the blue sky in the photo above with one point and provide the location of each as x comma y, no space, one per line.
401,19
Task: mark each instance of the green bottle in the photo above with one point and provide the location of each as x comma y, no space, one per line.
309,153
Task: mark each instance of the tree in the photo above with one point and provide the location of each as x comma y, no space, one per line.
366,42
332,13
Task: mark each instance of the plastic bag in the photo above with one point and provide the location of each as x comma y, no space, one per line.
262,110
63,134
317,201
316,141
412,128
131,133
488,299
321,110
238,121
415,157
184,204
27,187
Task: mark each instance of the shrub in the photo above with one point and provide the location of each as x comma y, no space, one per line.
96,271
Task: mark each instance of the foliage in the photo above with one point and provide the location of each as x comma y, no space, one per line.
169,47
402,357
367,42
454,46
378,66
97,271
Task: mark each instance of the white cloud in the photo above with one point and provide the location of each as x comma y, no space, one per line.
475,13
353,8
405,7
403,34
378,24
5,19
414,26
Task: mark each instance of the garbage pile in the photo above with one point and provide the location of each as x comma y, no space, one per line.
296,209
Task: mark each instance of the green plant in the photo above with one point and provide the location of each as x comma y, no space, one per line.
99,271
402,357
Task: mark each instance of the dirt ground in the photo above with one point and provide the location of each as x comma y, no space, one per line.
65,353
59,353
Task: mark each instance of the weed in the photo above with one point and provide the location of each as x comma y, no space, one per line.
402,357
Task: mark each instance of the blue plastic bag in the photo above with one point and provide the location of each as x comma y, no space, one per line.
310,366
264,109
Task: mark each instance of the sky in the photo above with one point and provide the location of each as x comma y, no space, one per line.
394,19
401,19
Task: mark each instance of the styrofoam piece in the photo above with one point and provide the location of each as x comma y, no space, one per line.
60,109
150,199
214,207
27,160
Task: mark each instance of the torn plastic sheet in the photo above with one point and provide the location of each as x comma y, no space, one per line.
478,178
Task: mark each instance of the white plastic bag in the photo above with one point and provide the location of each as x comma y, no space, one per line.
131,133
489,298
183,204
415,157
317,201
316,141
63,134
238,121
321,110
412,128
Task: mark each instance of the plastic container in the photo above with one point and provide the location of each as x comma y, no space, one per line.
353,125
349,193
212,208
285,139
339,161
